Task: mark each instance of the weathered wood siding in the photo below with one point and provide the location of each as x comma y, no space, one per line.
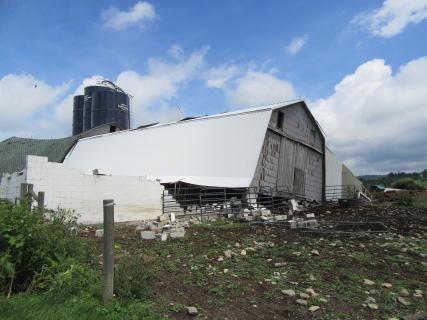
288,150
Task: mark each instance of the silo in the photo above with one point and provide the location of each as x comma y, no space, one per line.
110,105
78,103
105,104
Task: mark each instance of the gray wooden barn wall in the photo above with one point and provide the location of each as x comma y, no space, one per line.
284,151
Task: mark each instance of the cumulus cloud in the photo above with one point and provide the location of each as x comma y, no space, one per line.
375,120
23,99
246,86
152,91
296,45
392,17
140,15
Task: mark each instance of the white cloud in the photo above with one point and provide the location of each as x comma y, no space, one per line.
296,45
248,85
258,88
393,17
176,51
376,120
23,99
217,77
139,15
153,90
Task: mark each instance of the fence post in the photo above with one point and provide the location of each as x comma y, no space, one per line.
108,253
40,202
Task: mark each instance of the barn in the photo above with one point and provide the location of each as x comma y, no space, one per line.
257,157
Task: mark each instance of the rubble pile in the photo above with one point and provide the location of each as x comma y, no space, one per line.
296,216
163,228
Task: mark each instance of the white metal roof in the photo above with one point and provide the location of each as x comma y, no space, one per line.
220,150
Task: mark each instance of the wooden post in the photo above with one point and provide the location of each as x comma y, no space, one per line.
40,202
108,253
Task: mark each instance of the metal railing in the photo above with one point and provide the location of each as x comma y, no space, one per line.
333,193
206,201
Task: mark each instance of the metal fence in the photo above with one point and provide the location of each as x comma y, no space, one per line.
206,201
333,193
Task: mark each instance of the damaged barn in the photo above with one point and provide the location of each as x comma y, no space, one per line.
250,161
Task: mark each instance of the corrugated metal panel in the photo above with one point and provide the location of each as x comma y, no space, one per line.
218,150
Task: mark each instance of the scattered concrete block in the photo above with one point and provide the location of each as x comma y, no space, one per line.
161,236
309,215
148,235
192,311
172,217
281,217
99,233
177,233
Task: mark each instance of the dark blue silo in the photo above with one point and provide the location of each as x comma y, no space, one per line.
105,104
78,104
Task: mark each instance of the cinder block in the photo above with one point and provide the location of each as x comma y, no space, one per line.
148,235
177,233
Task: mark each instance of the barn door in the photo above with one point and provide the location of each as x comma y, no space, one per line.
299,182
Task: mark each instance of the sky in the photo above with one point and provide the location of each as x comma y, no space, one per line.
361,66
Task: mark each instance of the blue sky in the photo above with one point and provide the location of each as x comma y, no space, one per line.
348,59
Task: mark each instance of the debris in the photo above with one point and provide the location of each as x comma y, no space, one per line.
220,259
228,253
243,252
301,302
289,292
303,295
415,316
177,233
315,252
404,292
311,292
280,264
225,271
373,306
368,282
314,308
161,236
403,301
148,235
192,311
99,233
387,285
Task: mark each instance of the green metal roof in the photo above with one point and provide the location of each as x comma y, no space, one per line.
13,151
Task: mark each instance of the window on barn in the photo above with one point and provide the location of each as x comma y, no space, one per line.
280,117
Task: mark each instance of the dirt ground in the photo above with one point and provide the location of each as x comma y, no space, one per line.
240,271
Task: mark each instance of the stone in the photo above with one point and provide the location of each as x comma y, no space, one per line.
177,233
373,306
220,259
161,236
192,311
311,292
280,217
289,292
314,308
228,253
403,301
243,252
417,295
368,282
225,271
387,285
279,264
315,252
148,235
309,215
303,295
301,302
404,292
99,233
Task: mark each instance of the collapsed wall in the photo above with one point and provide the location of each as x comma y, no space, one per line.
136,198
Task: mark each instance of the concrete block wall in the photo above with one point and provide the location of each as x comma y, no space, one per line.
136,198
10,185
